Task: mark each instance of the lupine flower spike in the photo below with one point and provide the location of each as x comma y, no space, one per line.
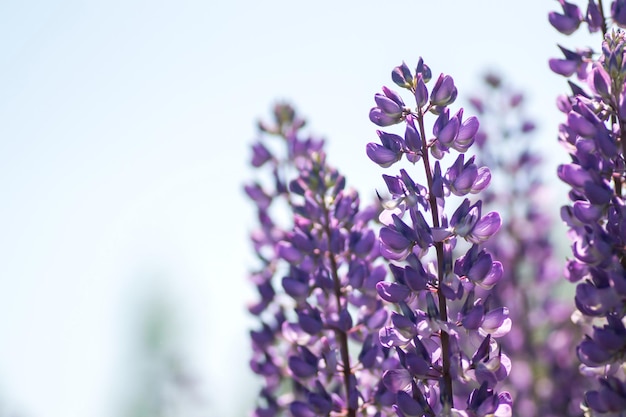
444,325
593,135
317,346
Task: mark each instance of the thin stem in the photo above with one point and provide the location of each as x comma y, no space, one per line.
604,26
622,129
342,337
446,390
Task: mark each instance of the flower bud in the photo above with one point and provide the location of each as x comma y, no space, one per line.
444,92
421,92
401,75
424,70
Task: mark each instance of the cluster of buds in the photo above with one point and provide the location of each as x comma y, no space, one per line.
444,323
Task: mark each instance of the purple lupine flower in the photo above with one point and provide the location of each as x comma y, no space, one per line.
265,359
529,281
389,152
442,336
609,398
389,108
618,13
568,21
444,92
574,62
593,17
593,136
317,346
463,177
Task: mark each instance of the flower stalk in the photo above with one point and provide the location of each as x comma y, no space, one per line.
443,333
593,135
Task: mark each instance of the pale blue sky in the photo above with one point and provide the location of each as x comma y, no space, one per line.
124,134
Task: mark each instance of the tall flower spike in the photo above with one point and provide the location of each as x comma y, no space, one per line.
316,346
593,135
439,324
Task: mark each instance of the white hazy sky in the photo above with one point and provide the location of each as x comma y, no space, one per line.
124,134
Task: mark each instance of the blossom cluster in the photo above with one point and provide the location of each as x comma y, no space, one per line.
593,136
445,324
446,296
317,347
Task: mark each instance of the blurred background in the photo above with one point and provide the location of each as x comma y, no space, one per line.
124,135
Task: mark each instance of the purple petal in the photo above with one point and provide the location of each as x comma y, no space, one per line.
444,92
493,276
580,125
412,137
397,379
394,239
474,317
468,129
486,227
618,12
387,105
563,67
593,17
381,155
392,292
300,368
390,337
301,409
401,75
421,92
591,354
378,117
408,405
